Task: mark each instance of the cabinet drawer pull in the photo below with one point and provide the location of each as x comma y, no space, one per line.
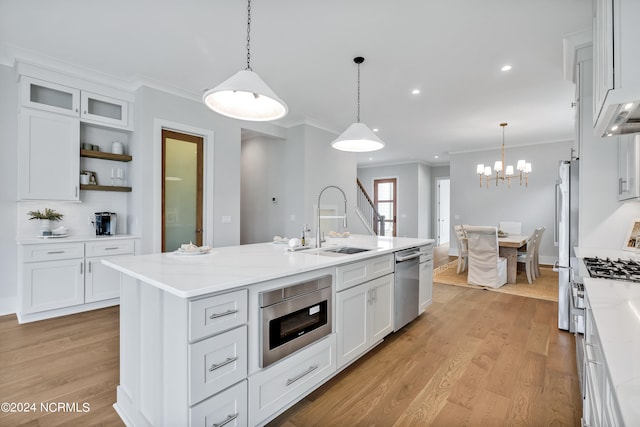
227,420
297,377
111,249
220,365
226,313
54,252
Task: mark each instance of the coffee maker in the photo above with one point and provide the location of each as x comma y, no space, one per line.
105,223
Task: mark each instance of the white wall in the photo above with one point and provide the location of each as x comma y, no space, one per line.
410,178
8,189
263,178
533,206
323,166
425,197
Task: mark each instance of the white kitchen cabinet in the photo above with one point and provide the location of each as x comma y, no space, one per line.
52,284
364,317
48,164
44,95
616,63
57,279
628,167
90,107
228,408
101,282
600,406
425,293
285,382
217,363
103,109
170,379
358,272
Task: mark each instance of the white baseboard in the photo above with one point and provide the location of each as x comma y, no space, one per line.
8,305
32,317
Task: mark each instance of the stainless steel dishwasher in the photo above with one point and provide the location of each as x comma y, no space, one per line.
406,287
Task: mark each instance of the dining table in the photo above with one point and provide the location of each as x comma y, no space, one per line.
508,247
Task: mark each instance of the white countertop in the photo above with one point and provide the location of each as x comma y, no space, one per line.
230,267
73,239
616,312
606,253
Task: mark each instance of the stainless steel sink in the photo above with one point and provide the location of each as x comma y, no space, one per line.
346,250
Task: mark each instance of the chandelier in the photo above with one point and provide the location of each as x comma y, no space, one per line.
504,173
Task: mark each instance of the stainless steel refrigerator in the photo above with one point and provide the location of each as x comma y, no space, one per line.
566,235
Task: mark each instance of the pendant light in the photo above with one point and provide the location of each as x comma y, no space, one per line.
245,95
358,137
504,173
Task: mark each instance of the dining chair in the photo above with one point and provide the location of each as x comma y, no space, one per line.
528,258
486,266
463,252
510,227
539,232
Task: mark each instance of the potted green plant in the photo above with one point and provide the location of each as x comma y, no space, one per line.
45,218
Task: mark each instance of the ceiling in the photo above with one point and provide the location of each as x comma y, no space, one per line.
452,51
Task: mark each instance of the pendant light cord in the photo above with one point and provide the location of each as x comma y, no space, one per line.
358,118
249,35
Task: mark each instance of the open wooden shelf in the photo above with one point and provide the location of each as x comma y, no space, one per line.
105,188
105,156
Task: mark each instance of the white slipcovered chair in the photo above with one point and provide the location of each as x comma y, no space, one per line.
510,227
486,266
463,252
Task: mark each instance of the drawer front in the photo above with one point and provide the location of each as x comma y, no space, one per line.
51,252
216,363
351,275
215,314
110,247
274,388
228,408
381,266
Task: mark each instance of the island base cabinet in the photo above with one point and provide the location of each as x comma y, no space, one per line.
364,317
276,388
225,409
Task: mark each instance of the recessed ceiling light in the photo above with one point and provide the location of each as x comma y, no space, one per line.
435,157
370,158
415,91
375,129
506,68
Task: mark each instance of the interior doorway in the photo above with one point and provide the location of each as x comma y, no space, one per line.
443,206
385,199
182,189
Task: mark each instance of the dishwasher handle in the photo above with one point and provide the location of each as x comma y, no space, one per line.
412,255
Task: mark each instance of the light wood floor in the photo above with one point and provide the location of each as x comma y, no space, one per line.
475,358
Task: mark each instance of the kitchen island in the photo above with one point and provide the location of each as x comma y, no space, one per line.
191,340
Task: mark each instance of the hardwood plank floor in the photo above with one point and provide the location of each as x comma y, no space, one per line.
70,359
475,358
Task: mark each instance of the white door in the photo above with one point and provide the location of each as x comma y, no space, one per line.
443,203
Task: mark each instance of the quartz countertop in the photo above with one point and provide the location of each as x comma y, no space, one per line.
73,239
229,267
615,306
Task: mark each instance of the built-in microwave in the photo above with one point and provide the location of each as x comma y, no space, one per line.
293,317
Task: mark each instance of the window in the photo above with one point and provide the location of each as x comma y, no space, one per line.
384,198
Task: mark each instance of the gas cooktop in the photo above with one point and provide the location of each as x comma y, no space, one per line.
619,269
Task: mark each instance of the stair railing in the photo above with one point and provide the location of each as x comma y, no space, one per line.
368,211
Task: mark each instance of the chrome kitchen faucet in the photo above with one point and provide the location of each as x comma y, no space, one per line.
344,217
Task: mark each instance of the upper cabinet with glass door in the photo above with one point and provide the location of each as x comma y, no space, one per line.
91,107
